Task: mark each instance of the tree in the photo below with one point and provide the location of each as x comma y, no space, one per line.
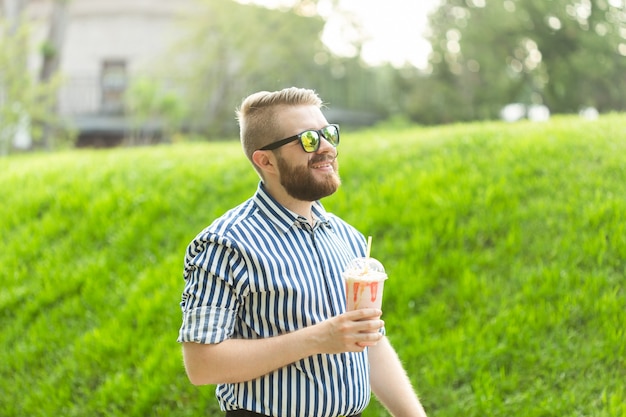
230,47
153,109
51,50
565,54
25,102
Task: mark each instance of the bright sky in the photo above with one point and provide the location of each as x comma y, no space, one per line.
395,29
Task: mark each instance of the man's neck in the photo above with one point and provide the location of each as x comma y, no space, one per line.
300,207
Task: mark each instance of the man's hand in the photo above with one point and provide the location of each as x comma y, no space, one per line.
350,332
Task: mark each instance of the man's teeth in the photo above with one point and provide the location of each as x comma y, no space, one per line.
324,165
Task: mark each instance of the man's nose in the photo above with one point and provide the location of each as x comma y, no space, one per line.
325,145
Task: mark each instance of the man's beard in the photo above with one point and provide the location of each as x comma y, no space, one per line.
301,184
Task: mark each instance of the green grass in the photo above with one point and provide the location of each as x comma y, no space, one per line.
505,245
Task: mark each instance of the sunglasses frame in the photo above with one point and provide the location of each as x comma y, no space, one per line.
282,142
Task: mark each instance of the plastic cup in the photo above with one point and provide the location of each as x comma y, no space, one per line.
364,279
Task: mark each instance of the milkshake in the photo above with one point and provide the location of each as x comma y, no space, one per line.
364,279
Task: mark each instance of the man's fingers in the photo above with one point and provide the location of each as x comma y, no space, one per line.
367,326
367,313
363,314
369,339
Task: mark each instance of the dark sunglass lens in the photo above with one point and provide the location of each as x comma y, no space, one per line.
310,140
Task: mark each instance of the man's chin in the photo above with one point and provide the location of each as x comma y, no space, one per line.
316,192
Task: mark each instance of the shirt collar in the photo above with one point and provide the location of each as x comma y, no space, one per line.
281,216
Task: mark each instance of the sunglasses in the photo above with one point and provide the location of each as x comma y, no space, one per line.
309,139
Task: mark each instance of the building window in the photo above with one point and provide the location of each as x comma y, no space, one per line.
114,81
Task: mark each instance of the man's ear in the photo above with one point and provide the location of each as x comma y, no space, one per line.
265,161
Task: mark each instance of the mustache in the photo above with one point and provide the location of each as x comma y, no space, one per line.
324,158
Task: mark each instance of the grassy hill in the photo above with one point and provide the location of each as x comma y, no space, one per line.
505,245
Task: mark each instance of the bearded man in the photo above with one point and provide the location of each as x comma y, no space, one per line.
264,304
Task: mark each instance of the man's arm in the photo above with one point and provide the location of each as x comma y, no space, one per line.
390,383
238,360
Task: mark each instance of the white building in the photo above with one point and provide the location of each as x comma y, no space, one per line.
104,44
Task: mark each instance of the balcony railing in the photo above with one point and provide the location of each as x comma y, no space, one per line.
80,96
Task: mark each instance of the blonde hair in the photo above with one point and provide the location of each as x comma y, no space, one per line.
257,115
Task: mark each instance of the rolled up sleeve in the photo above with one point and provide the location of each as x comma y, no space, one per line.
209,301
207,325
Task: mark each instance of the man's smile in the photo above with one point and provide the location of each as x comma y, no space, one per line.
323,163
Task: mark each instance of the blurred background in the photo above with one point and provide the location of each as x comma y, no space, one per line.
103,73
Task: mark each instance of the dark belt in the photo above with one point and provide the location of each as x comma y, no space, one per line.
246,413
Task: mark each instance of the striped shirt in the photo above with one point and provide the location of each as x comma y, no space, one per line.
259,271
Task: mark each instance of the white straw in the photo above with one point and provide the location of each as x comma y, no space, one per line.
369,246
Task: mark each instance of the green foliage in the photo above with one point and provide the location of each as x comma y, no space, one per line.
152,107
505,246
25,104
228,47
563,54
